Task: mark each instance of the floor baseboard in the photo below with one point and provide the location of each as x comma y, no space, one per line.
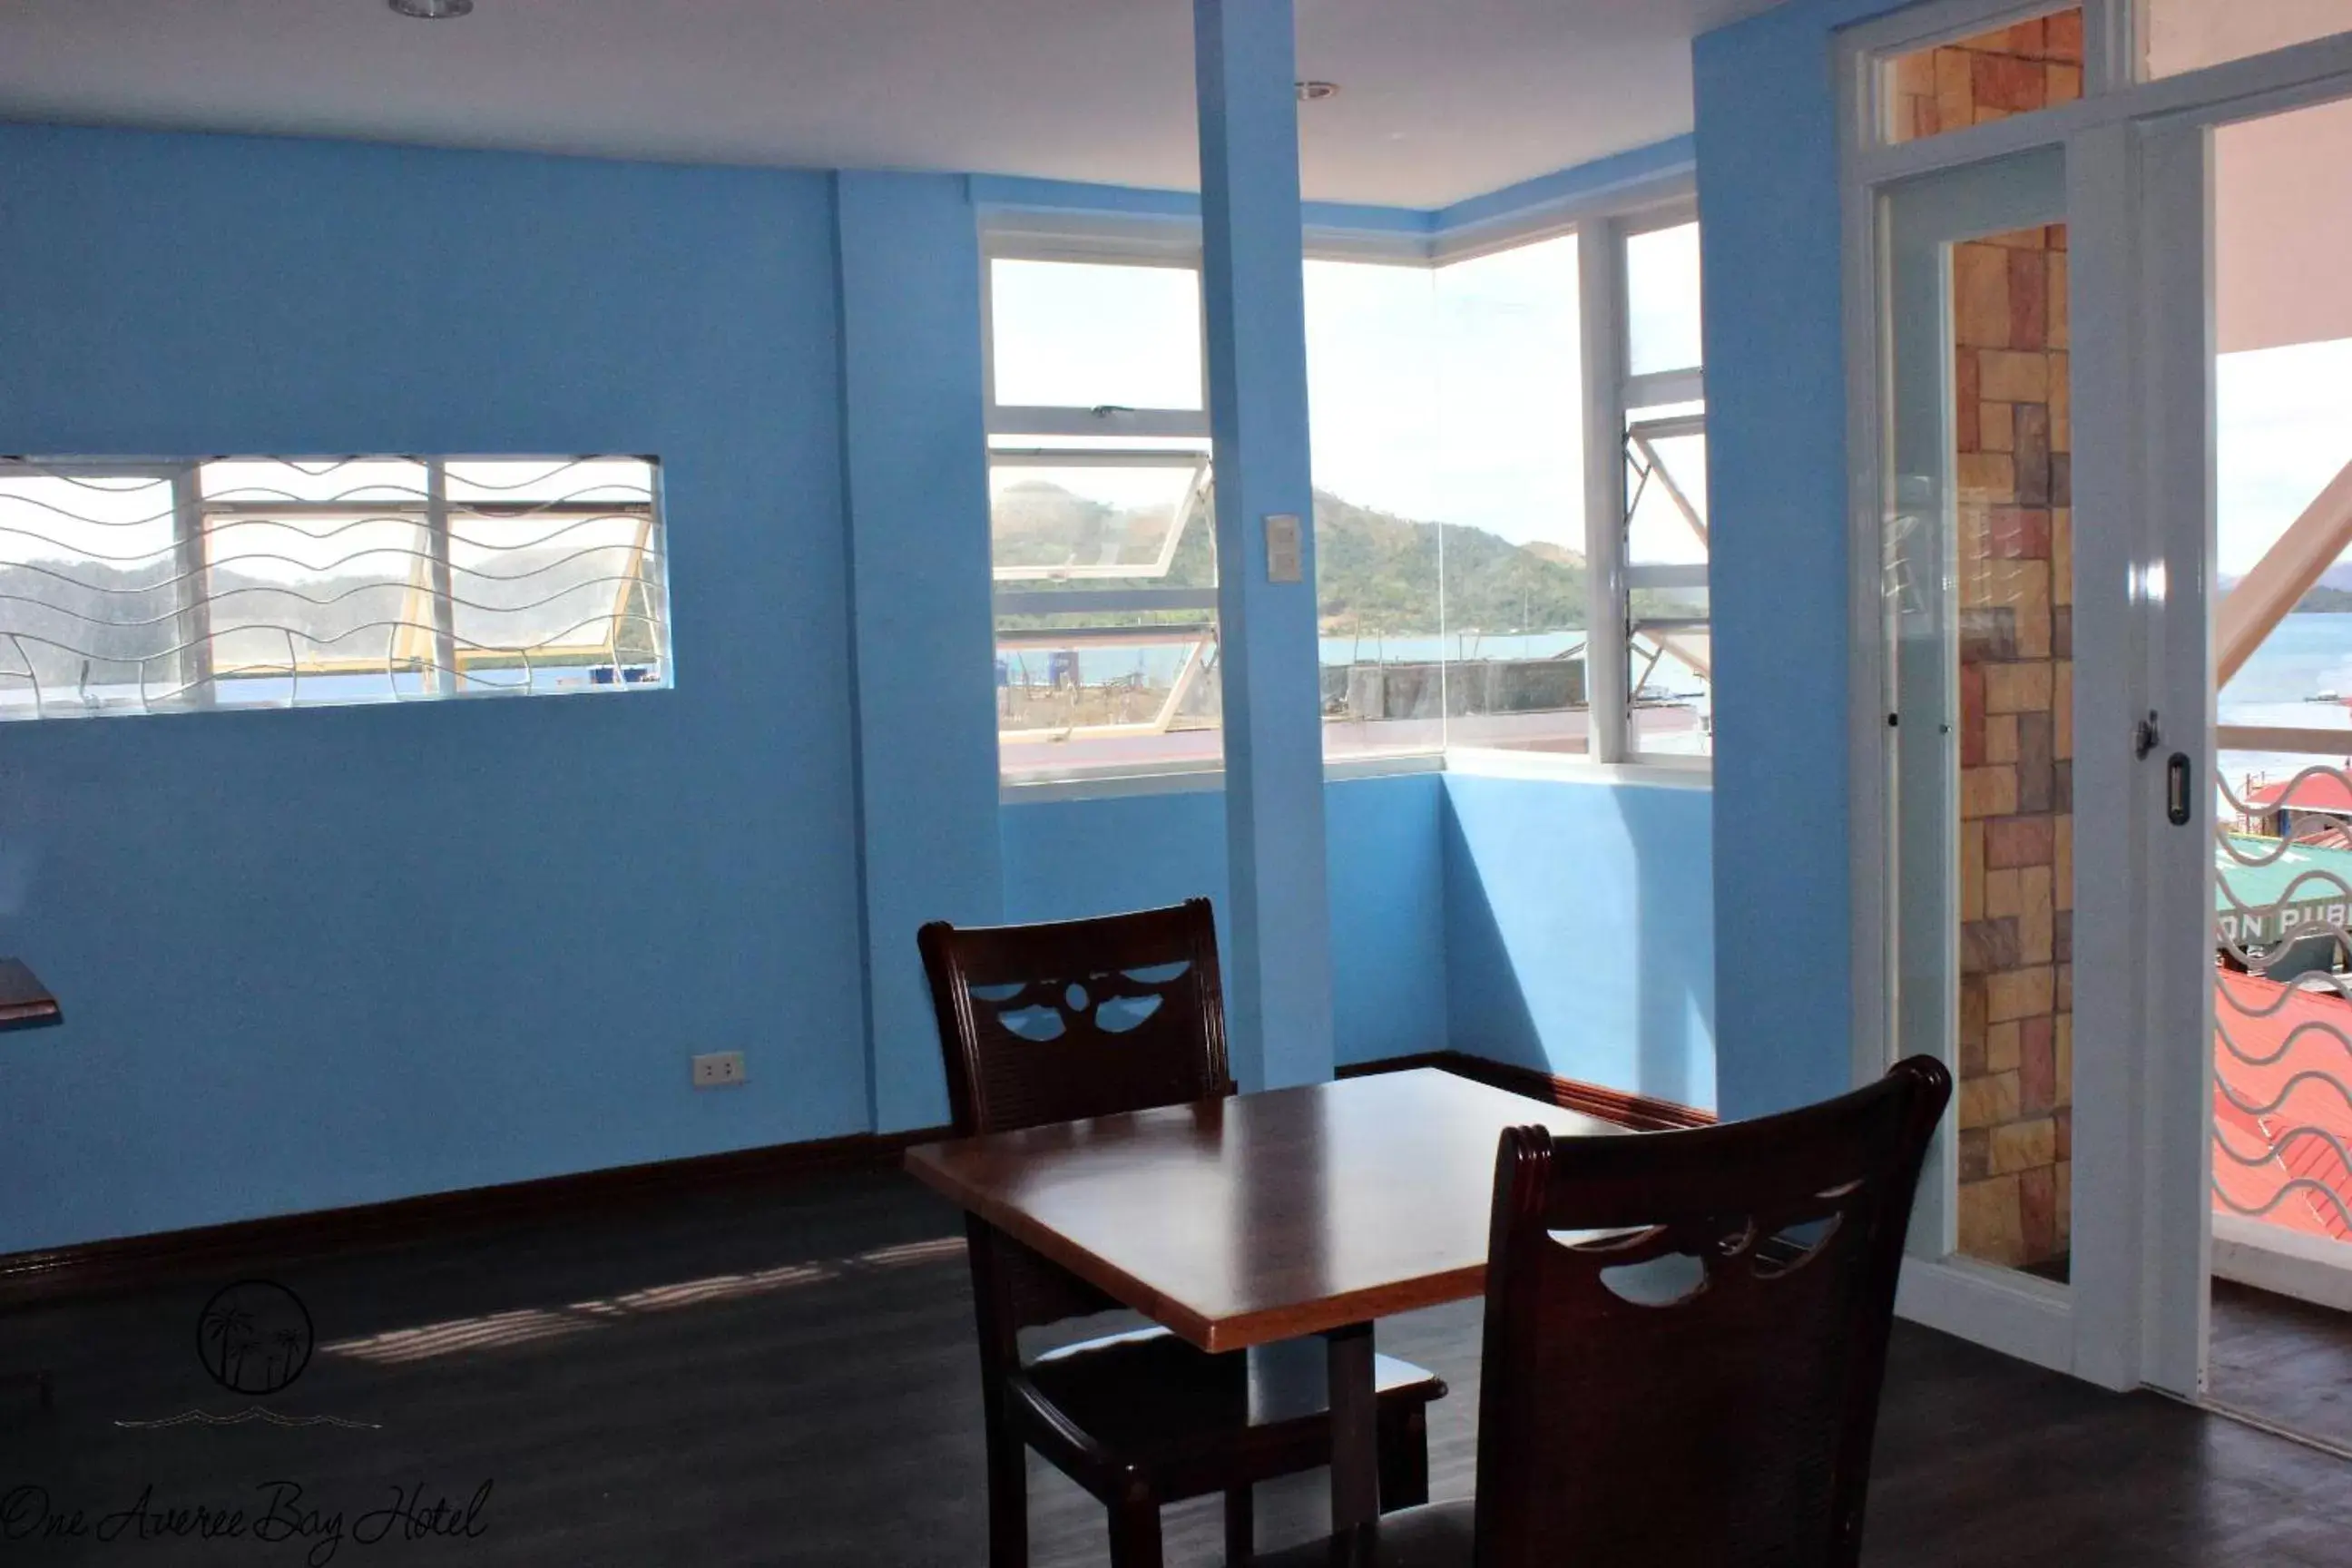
130,1262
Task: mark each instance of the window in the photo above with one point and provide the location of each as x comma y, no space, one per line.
2179,35
1373,403
1664,560
1101,521
1458,569
2012,69
1511,492
131,587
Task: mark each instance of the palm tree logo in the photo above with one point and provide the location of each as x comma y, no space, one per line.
253,1337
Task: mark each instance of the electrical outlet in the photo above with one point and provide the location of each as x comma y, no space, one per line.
719,1070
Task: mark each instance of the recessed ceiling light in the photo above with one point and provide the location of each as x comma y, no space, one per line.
431,10
1315,91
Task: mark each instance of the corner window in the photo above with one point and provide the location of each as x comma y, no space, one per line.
130,587
1462,578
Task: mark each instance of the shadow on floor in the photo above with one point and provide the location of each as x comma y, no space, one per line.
788,1376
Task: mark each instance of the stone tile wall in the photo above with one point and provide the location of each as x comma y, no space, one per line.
2009,71
2015,586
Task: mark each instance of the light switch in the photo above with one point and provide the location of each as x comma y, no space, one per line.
1284,556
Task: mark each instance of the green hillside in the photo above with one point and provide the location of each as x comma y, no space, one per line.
1376,572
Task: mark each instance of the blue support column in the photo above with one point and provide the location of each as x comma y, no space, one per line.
1278,914
914,458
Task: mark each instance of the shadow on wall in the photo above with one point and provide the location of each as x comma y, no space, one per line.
1580,931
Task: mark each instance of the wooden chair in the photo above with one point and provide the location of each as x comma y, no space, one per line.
1685,1336
1080,1018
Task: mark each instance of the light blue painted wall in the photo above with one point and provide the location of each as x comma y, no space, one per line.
914,443
338,955
1776,481
1579,933
343,956
1072,858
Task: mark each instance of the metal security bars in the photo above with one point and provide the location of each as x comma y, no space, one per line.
165,586
2282,1011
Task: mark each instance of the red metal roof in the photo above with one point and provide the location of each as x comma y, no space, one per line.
2328,790
2307,1035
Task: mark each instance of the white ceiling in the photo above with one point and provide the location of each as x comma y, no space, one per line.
1441,98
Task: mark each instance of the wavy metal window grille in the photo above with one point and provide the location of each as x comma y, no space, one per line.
137,588
2282,1011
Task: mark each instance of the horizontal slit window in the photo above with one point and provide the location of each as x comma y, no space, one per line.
266,582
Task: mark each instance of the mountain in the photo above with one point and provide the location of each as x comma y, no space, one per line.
1376,572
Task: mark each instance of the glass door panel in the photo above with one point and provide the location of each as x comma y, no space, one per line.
1978,621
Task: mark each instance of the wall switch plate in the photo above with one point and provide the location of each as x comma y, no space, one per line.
719,1070
1285,554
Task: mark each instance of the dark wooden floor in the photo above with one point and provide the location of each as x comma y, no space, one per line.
787,1377
2282,1360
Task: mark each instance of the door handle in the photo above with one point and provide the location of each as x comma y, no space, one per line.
2175,789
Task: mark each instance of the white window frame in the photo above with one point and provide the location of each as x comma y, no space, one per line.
2135,1312
1601,222
192,520
1612,392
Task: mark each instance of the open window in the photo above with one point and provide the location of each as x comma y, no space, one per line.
1102,531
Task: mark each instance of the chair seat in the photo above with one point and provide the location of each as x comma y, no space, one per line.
1149,1401
1436,1536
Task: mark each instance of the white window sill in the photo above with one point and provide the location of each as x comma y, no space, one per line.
1669,772
1659,772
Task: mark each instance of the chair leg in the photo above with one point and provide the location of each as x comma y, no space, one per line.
1135,1532
1241,1526
1404,1459
1008,1500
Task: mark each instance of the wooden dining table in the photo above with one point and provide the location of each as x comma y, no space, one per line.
1253,1219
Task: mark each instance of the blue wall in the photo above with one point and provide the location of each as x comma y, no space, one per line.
1580,939
1776,481
914,457
336,955
1069,857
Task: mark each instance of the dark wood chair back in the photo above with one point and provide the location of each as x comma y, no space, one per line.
1067,1019
1686,1332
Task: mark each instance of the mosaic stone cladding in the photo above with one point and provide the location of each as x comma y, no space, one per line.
2015,586
2010,70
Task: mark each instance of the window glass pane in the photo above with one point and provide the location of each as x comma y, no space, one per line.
324,601
2013,70
1125,679
87,597
1371,368
1665,490
1510,491
1669,673
1662,299
559,582
1133,691
1066,520
1088,335
394,481
2183,34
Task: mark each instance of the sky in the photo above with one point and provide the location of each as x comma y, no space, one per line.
2283,429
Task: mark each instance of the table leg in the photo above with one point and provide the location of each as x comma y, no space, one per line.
1355,1434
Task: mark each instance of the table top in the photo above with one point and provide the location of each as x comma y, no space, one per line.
1240,1221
